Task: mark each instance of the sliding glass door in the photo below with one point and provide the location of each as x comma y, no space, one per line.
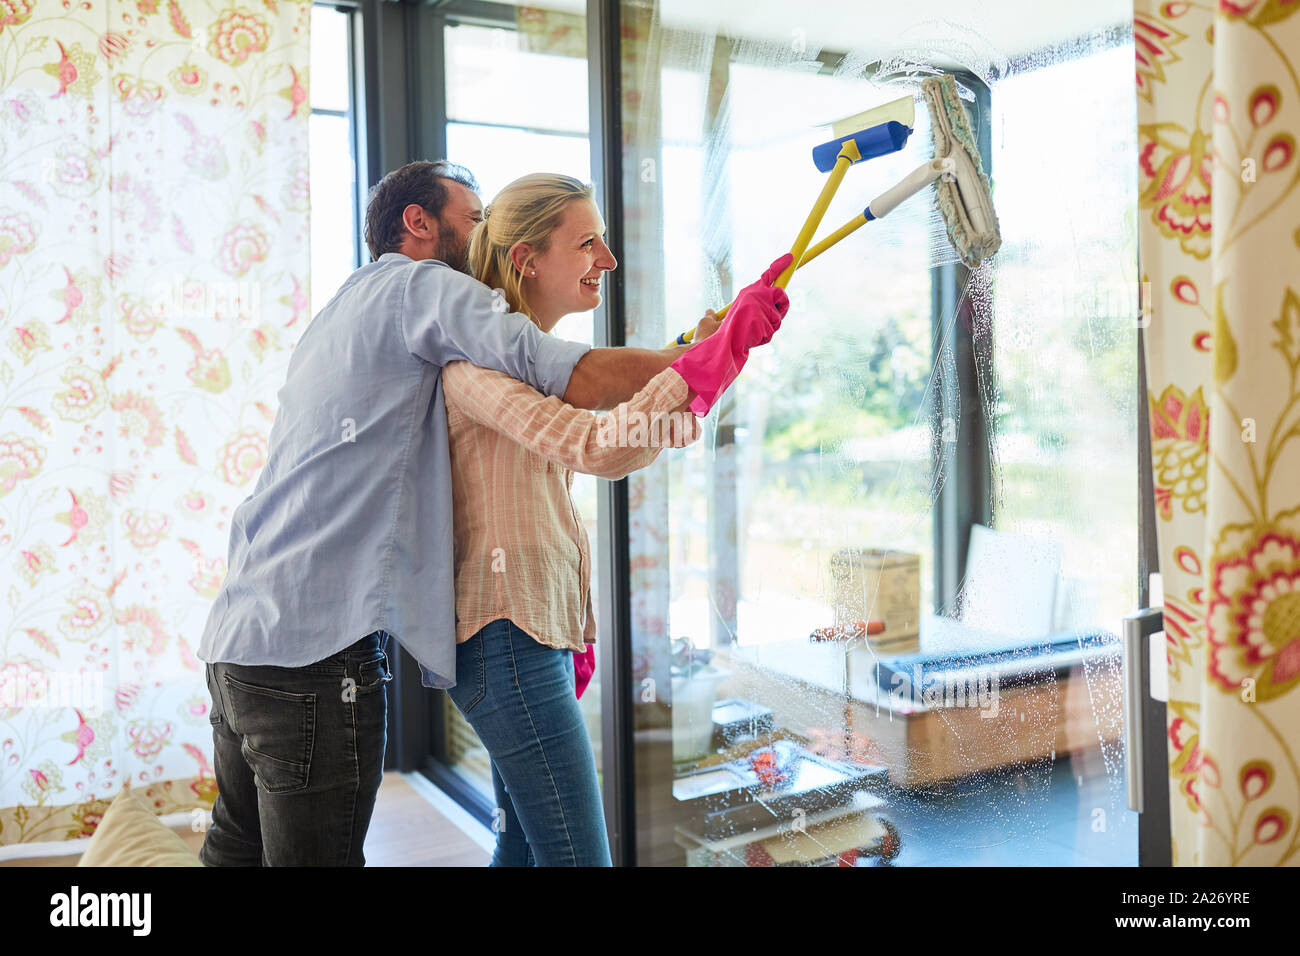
948,452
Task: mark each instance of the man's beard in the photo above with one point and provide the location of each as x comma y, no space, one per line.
452,250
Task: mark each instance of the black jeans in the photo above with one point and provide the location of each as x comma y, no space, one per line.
299,755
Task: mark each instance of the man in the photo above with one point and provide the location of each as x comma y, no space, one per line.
347,536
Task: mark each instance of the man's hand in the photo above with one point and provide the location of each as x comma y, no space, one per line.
708,325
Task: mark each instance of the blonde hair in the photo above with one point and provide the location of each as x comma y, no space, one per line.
527,210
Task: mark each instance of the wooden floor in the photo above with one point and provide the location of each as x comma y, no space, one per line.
406,830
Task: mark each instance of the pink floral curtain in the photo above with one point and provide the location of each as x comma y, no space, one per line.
153,280
1218,118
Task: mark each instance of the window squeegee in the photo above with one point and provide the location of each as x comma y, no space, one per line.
962,191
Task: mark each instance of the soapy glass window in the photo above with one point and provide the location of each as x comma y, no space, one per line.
835,437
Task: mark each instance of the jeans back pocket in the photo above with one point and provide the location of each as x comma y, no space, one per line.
278,730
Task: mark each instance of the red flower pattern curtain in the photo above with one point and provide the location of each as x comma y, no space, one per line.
1218,117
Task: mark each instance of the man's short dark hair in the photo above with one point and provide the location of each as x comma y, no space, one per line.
419,182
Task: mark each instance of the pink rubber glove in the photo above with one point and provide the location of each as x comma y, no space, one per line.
710,366
584,665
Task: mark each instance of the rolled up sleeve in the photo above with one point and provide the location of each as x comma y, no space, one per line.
573,437
448,316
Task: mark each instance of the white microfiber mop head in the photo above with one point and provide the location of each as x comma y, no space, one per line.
965,201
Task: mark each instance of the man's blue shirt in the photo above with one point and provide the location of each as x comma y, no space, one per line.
349,527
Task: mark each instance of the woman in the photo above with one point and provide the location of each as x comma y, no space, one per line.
523,605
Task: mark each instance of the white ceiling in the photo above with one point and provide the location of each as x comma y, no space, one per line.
946,33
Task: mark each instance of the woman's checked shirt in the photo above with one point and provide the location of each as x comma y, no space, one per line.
521,551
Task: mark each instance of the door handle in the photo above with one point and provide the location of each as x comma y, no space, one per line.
1137,628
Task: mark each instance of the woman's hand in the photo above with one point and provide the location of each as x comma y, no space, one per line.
709,367
708,325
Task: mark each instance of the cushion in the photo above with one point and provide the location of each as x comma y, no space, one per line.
131,834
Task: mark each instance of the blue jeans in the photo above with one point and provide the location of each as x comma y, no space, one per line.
299,755
518,696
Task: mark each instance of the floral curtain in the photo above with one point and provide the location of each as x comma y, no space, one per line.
153,280
1218,117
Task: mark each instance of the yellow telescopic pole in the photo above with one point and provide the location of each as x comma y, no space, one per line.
848,156
847,229
813,252
799,252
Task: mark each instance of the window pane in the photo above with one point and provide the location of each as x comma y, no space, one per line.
1064,329
329,82
825,490
333,204
492,78
498,155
